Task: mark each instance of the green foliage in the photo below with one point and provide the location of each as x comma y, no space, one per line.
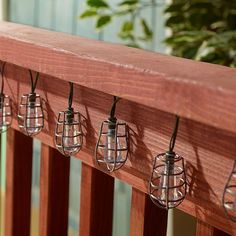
97,3
203,30
103,20
129,31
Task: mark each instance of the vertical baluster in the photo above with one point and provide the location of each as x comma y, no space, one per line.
146,218
18,184
54,192
204,229
96,207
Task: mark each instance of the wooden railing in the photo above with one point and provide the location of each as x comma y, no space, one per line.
153,88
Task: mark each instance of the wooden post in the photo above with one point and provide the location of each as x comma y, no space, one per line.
96,207
146,218
54,192
18,184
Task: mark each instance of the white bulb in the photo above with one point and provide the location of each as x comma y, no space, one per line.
71,139
32,120
110,146
168,186
2,115
2,118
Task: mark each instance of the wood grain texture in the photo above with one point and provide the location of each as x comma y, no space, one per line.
146,219
204,229
54,192
18,184
198,91
209,152
96,204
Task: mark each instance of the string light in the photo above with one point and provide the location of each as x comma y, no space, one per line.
5,106
167,187
229,195
68,134
30,113
112,147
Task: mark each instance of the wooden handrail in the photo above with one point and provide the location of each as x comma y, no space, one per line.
194,90
154,87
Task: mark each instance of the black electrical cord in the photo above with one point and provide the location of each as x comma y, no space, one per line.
113,108
70,99
2,75
174,135
33,84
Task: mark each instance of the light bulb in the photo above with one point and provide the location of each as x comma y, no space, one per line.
32,121
5,113
2,116
71,138
168,181
229,195
112,152
30,116
68,134
168,185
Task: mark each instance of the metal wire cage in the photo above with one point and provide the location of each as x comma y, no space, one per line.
111,150
30,114
167,186
68,133
5,113
229,195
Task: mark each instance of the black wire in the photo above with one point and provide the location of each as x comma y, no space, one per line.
33,84
174,135
70,99
113,108
36,81
2,75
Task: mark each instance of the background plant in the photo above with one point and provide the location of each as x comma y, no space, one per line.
130,13
203,30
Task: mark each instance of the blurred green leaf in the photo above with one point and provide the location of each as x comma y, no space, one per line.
174,20
126,31
102,21
127,26
175,7
97,3
146,30
131,2
88,13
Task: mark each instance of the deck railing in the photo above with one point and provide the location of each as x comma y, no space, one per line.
153,88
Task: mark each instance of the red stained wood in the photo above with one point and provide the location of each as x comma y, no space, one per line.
18,184
153,86
146,219
204,229
54,192
207,151
198,91
96,206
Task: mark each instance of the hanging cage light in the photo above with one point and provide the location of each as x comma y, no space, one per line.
5,106
229,195
68,133
30,113
167,186
111,150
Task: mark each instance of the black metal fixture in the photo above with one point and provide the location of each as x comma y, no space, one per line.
167,187
112,146
5,105
229,195
30,113
68,133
